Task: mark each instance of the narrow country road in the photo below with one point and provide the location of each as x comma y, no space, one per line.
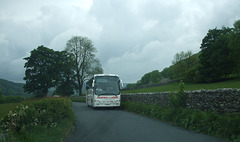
109,125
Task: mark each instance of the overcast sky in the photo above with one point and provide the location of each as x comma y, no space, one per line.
132,37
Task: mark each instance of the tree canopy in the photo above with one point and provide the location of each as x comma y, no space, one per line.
234,45
65,70
84,56
67,82
218,59
46,68
215,53
39,74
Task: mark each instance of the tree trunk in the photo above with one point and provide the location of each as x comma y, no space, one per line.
80,89
79,85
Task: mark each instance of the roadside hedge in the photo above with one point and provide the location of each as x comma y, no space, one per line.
226,126
34,115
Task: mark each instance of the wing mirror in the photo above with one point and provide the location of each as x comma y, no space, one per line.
121,84
93,84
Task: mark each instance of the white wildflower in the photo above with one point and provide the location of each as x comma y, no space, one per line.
14,114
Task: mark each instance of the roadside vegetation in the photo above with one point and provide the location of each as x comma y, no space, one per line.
29,120
225,126
78,99
5,108
8,103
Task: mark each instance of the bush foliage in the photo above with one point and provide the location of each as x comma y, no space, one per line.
37,114
178,99
225,126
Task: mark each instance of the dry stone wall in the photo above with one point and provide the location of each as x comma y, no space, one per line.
219,101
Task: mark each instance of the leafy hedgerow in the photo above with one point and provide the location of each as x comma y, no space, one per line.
34,114
225,126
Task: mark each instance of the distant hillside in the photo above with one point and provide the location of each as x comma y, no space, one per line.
10,88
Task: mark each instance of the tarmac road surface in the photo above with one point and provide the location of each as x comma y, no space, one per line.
110,125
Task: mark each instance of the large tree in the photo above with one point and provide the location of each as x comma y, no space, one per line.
65,67
234,45
182,63
40,74
150,78
46,68
84,54
215,63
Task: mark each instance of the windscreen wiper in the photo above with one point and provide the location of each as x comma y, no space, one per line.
108,94
100,94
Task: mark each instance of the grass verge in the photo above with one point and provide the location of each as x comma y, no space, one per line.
226,126
43,134
79,99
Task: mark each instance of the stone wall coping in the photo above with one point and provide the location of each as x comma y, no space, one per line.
217,100
193,91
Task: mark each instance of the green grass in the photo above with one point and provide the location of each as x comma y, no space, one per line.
42,134
188,87
78,99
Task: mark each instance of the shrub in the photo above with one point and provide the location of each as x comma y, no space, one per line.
178,99
38,113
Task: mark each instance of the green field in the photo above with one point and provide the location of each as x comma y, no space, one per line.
5,108
188,87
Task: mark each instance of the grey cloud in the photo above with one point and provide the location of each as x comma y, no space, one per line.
132,37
